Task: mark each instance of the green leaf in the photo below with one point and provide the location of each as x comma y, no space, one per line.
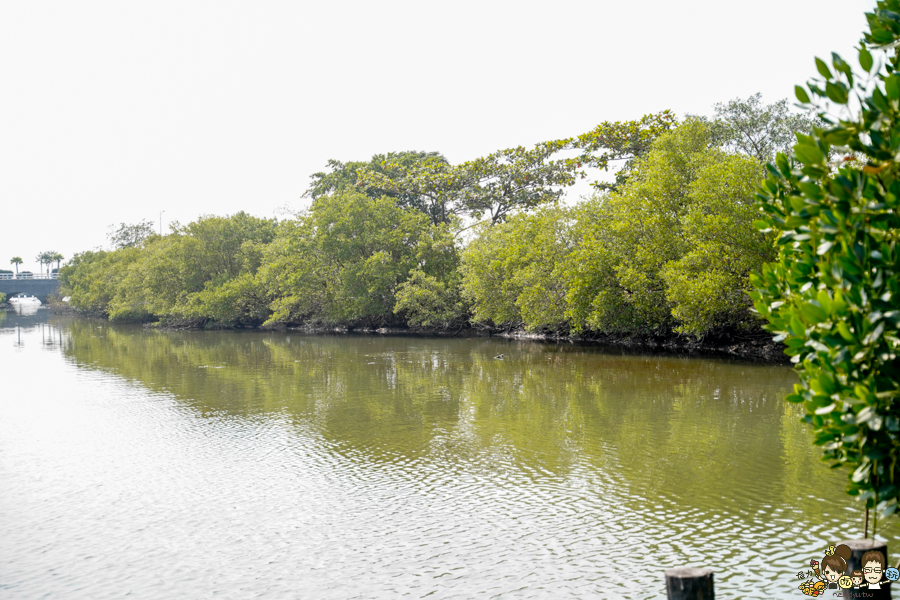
812,313
845,332
798,203
892,87
801,94
809,154
840,65
824,300
865,59
880,101
781,162
823,68
875,334
836,92
795,342
838,136
862,472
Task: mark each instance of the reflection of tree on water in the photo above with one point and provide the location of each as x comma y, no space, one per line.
685,460
659,425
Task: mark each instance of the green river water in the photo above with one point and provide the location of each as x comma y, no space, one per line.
145,464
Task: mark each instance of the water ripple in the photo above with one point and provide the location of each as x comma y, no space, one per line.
299,469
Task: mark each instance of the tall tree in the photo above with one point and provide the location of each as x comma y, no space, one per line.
432,186
344,176
44,259
517,179
621,142
506,181
129,236
344,260
16,260
511,271
673,246
760,130
494,185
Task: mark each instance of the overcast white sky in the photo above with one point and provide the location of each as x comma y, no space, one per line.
114,111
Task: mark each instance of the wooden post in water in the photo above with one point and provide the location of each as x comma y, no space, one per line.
689,583
857,549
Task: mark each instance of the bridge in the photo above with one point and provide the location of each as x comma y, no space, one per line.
39,286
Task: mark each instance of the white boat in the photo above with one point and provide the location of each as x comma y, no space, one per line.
24,299
25,305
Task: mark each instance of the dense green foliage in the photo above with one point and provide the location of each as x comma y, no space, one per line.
512,272
619,141
193,274
344,260
409,239
494,186
671,247
833,294
345,177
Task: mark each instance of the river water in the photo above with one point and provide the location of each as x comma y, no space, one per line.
145,464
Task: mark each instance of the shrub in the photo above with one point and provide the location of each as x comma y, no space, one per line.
833,295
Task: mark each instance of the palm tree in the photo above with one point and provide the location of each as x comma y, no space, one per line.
16,260
54,255
45,258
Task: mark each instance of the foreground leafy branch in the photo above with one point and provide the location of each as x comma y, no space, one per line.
833,294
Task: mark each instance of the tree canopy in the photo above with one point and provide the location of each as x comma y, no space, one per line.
666,247
345,177
759,130
129,236
345,259
515,179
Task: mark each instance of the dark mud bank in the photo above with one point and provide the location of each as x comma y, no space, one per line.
757,347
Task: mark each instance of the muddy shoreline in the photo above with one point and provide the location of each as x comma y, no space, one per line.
756,346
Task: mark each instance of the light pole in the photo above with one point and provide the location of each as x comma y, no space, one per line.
160,221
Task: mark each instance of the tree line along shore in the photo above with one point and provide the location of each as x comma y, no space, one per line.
660,255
